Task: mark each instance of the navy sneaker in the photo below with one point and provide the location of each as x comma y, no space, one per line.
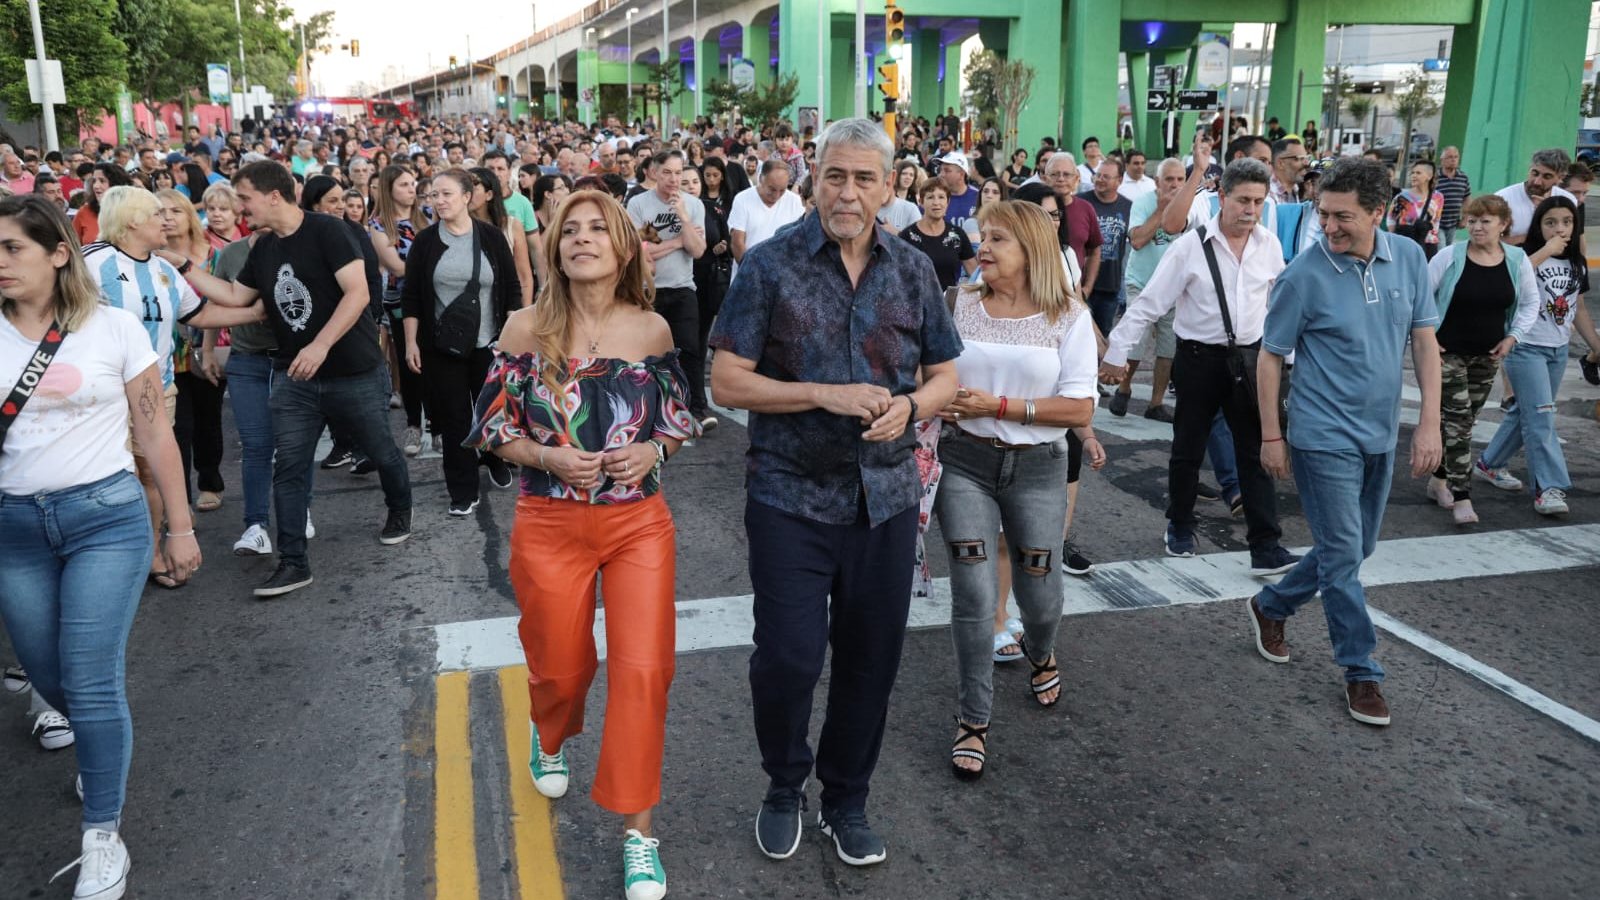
853,838
1179,543
778,821
1271,561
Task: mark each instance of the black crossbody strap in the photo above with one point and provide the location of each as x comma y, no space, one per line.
474,286
1216,282
32,374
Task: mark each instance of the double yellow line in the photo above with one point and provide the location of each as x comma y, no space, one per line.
538,873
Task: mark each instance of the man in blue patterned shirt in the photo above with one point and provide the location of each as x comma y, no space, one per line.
821,337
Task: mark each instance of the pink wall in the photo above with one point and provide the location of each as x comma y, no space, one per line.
171,113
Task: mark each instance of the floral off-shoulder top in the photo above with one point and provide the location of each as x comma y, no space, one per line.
604,404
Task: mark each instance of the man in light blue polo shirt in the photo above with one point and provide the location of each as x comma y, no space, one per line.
1346,307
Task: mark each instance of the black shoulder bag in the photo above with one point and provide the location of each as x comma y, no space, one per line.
1241,360
455,333
32,374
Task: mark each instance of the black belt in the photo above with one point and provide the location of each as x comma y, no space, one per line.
996,442
1213,349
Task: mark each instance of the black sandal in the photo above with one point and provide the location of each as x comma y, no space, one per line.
1048,667
959,752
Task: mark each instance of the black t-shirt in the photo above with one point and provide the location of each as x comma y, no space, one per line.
295,276
1113,218
947,251
1476,319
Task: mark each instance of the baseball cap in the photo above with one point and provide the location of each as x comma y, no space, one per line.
953,158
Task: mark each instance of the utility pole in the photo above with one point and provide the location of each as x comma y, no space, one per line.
48,107
666,43
861,59
533,14
244,83
823,29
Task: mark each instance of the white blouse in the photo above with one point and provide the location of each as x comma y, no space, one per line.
1023,359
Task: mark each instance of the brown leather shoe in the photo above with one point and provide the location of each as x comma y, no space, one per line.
1269,635
1366,702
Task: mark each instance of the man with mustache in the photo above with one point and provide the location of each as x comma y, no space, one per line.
1545,171
1217,347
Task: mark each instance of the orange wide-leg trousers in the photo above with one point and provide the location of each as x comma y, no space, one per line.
558,547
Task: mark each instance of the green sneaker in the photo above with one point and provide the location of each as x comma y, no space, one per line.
549,772
642,875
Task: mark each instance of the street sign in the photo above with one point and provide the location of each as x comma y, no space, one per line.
1166,76
1156,101
53,89
1212,62
1196,101
1436,65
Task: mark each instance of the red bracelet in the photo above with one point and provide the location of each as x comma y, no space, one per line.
1271,440
1002,413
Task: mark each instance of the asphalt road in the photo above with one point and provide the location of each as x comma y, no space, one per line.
288,749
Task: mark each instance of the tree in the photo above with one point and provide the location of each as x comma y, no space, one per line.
93,60
1360,106
1416,98
760,105
1013,84
1336,89
666,80
982,74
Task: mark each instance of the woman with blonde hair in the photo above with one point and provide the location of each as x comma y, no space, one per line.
587,396
74,528
1027,371
131,276
197,364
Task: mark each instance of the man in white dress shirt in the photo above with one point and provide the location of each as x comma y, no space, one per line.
1210,373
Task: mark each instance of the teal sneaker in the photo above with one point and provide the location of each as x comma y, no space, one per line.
549,772
642,875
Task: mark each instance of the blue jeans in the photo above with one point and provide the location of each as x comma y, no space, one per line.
1343,494
75,564
357,405
1535,374
249,389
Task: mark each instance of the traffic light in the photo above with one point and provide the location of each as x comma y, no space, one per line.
355,47
452,62
894,40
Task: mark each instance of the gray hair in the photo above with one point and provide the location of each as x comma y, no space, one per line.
1366,178
1062,155
856,132
1170,162
1245,170
1553,158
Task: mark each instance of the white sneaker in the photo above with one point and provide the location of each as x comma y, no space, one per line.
311,530
15,679
254,542
411,444
1500,478
1551,502
102,868
53,731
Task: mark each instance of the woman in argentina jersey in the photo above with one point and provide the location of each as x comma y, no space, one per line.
132,277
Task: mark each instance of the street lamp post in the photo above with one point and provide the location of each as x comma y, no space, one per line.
632,11
577,71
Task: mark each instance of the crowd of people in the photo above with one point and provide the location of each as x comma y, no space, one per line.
561,307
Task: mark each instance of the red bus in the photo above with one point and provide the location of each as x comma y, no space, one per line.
349,109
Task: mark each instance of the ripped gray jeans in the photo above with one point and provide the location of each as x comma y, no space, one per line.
984,488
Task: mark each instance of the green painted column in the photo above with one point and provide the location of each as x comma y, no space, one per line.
758,48
1094,40
1299,52
1513,86
552,104
925,91
950,88
1037,36
842,78
712,68
588,83
1138,85
798,55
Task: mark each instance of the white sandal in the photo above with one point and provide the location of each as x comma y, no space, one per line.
1008,638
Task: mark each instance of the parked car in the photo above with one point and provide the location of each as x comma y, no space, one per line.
1588,151
1388,148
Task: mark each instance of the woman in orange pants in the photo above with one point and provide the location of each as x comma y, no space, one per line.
587,396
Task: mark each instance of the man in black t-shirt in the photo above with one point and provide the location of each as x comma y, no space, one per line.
1112,211
327,367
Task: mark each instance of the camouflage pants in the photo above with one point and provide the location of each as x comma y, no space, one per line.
1464,386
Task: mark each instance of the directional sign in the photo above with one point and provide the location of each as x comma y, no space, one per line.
1166,76
1156,101
1197,101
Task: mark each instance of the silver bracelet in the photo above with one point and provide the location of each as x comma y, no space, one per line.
173,534
1027,412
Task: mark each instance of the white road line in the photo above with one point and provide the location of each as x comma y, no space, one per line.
723,622
1489,675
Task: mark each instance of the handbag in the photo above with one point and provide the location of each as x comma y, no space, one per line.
455,332
1241,360
32,374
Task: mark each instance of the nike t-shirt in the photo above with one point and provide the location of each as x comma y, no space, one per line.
297,279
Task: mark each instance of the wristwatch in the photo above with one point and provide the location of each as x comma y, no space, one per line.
187,265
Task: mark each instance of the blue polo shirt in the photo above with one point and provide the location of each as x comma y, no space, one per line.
792,311
1348,321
